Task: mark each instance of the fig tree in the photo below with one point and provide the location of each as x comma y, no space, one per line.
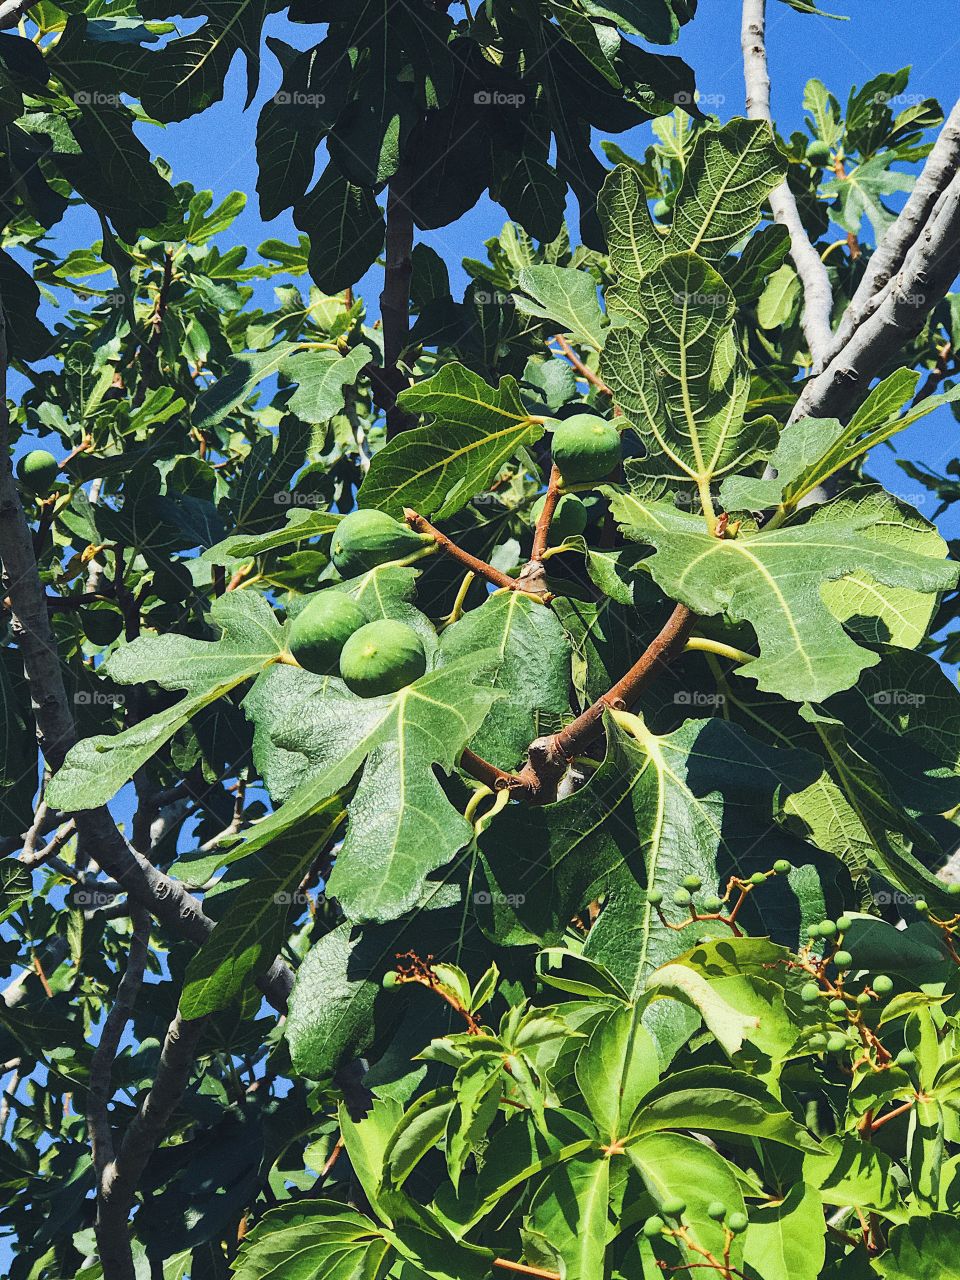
38,471
382,657
569,518
319,632
586,448
364,539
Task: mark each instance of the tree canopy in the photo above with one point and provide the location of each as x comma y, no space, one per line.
481,774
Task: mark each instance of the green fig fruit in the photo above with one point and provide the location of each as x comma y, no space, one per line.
809,992
882,985
781,866
389,979
681,897
381,658
569,518
674,1206
364,539
843,959
738,1222
661,210
692,882
653,1227
906,1059
586,448
102,625
319,632
716,1210
38,471
818,153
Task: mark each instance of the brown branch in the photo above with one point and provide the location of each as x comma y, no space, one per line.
584,370
520,1268
548,757
542,532
421,525
496,779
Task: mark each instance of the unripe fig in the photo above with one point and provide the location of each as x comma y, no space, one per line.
692,882
809,993
882,985
674,1206
586,448
818,153
758,878
38,471
653,1227
817,1042
661,210
712,905
389,980
654,897
906,1059
781,866
738,1222
319,632
569,518
837,1006
382,657
837,1042
681,897
843,924
716,1210
102,626
364,539
843,959
828,929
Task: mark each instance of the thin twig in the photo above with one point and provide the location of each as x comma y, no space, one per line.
584,370
421,525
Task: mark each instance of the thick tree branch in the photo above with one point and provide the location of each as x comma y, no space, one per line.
12,12
817,293
890,254
395,302
100,1089
121,1176
928,271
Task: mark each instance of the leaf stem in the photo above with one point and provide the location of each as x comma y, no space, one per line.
704,645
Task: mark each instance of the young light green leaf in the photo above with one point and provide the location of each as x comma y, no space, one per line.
565,296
